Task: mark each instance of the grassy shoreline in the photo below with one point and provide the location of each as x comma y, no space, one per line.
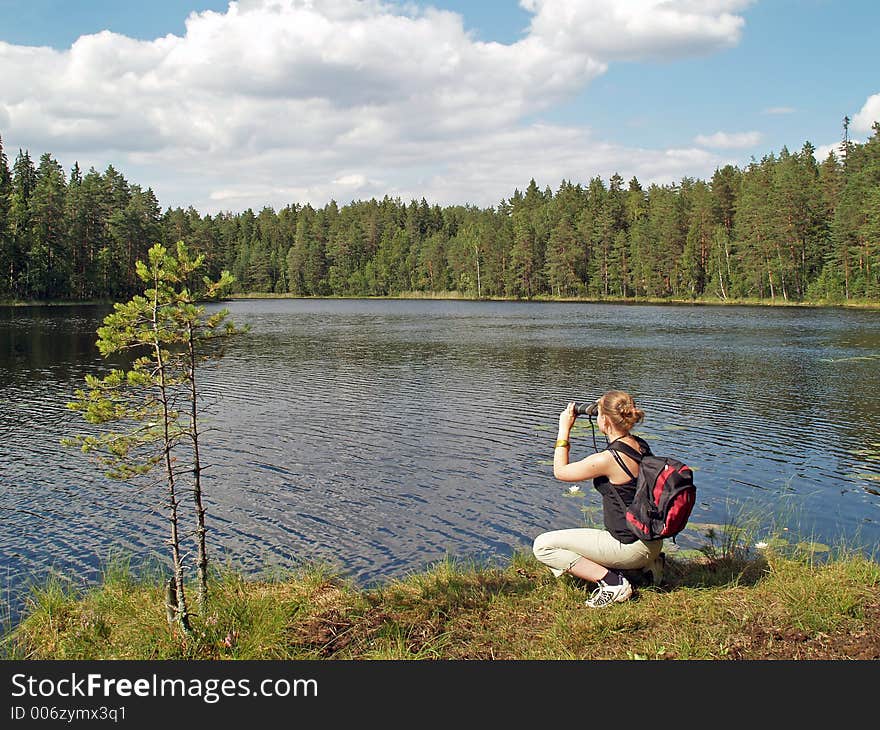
773,606
457,296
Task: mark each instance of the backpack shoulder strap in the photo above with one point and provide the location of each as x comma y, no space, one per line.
622,463
625,448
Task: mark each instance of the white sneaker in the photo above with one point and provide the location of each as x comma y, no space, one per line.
605,594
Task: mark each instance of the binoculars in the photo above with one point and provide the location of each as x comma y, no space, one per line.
586,409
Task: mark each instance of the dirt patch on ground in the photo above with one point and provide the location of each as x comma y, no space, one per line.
787,643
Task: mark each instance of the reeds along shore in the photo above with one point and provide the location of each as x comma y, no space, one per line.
458,297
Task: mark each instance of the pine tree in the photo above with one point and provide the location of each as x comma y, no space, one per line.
725,187
793,203
529,242
131,229
665,243
7,251
89,207
758,274
695,257
176,226
495,231
602,245
560,268
618,258
167,334
636,208
433,263
49,258
464,251
719,275
868,247
595,228
854,248
829,284
206,239
24,181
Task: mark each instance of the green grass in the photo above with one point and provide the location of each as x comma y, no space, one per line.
716,604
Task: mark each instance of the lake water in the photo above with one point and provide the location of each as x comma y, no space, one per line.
382,435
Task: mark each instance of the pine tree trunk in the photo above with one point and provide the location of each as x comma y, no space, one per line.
202,551
727,257
171,600
182,611
479,288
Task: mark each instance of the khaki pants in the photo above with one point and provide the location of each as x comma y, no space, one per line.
560,549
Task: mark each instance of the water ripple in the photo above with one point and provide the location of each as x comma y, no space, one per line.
381,436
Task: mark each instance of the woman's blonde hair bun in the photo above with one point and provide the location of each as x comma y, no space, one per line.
620,407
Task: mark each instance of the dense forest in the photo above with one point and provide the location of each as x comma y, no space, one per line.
786,228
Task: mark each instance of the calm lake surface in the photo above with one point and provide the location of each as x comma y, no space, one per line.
381,435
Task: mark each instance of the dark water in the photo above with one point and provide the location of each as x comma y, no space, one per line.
381,436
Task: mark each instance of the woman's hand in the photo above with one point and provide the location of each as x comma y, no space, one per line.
588,468
566,420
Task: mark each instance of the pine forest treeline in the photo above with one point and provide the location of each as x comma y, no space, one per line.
784,229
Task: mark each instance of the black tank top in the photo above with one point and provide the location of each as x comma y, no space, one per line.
613,514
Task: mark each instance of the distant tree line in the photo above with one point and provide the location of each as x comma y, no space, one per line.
785,228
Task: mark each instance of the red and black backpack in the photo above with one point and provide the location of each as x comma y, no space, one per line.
665,493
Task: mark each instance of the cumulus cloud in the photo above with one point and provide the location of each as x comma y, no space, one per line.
638,29
277,101
861,122
481,168
870,113
823,150
726,140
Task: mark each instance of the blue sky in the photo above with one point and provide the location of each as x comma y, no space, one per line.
271,102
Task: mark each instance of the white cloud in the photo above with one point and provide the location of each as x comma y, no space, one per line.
278,101
870,113
823,150
637,29
727,140
780,110
479,169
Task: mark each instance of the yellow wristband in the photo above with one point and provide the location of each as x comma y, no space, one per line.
561,442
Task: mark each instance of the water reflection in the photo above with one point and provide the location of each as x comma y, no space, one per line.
382,435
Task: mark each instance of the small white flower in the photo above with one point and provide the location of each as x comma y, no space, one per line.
574,489
761,545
